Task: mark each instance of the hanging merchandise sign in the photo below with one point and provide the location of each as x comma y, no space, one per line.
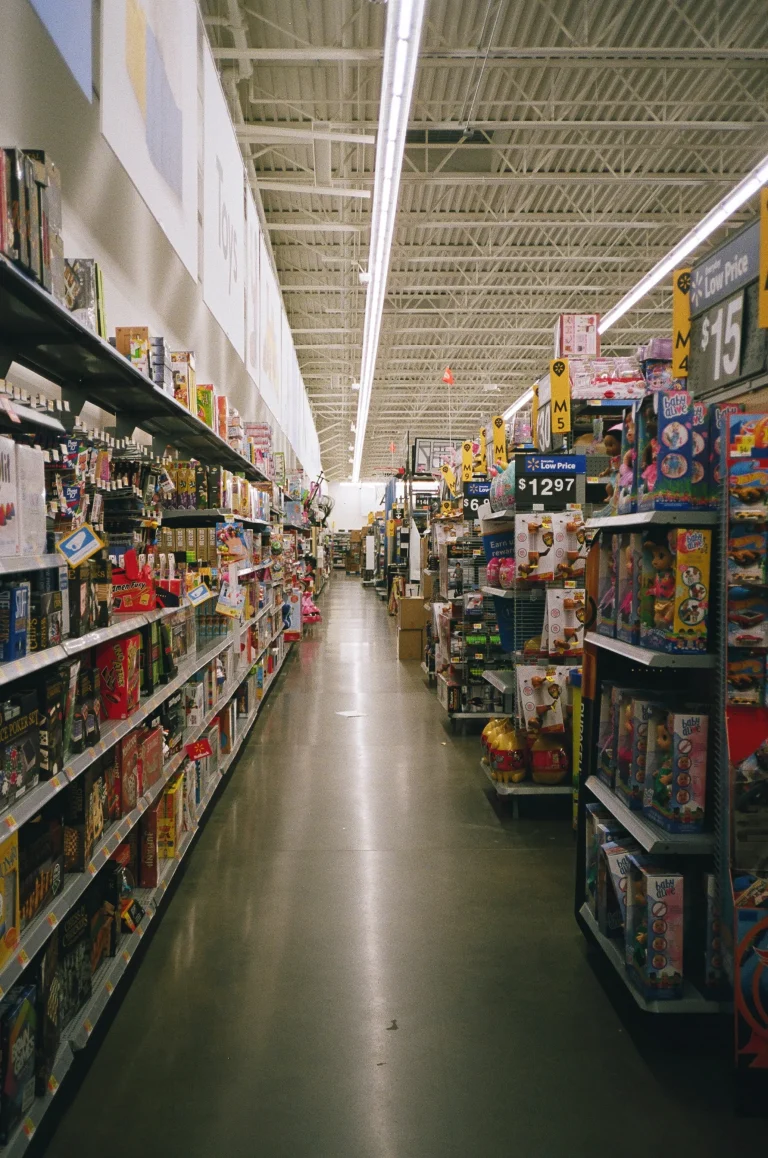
198,594
449,478
499,442
727,269
252,252
762,291
223,211
719,342
549,480
475,494
149,109
199,748
681,321
560,396
466,461
79,545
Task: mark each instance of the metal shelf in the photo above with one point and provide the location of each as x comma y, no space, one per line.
529,594
527,787
645,656
44,336
12,564
691,1001
209,515
648,835
646,518
503,681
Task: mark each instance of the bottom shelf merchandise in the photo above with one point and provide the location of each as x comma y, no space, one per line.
82,941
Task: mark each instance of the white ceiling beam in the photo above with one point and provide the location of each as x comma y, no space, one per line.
442,288
259,133
455,221
457,179
312,55
527,124
317,227
305,189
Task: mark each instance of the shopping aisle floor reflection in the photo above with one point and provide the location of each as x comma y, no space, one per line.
367,958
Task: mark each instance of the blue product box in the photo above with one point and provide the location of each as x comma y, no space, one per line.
665,452
702,487
14,621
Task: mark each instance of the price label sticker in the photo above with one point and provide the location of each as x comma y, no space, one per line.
55,782
88,1027
22,957
109,987
198,594
10,823
53,1084
126,956
92,869
28,1126
52,920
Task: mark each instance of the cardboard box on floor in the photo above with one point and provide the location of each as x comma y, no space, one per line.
410,644
411,615
428,586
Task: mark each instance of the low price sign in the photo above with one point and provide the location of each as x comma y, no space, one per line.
548,481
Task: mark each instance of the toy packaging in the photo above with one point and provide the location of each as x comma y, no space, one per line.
605,620
631,772
626,479
18,1031
150,750
9,505
170,819
47,1007
119,676
747,433
14,621
630,553
149,852
747,618
674,590
702,492
665,451
600,827
610,696
675,793
9,897
719,416
74,962
564,622
30,487
534,542
103,899
128,771
612,871
570,544
50,714
539,698
745,680
19,746
41,861
713,949
747,548
84,810
654,929
748,488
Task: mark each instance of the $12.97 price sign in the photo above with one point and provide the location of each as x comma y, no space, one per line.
548,481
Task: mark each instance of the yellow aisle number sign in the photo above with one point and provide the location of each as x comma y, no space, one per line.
499,442
466,461
449,478
482,466
681,321
762,295
560,386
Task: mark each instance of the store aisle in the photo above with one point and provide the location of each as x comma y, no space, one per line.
366,959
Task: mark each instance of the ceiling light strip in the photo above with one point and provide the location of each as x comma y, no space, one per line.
405,20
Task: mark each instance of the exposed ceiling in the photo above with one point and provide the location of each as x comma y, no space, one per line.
557,149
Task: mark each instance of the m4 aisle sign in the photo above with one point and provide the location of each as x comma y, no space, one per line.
681,321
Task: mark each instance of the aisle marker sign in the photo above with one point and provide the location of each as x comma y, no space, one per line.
499,442
560,386
466,461
762,292
681,321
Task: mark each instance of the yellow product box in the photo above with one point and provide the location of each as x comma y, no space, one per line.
9,897
170,819
206,404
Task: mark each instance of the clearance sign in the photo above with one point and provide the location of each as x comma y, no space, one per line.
560,387
681,321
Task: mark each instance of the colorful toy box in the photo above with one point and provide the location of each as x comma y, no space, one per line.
170,819
747,618
610,696
719,415
748,488
675,792
674,590
631,772
626,479
654,930
74,961
613,867
118,663
600,827
9,897
745,679
665,451
702,491
747,548
47,1005
18,1031
605,621
629,566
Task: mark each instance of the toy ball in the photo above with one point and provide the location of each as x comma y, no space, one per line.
507,573
492,572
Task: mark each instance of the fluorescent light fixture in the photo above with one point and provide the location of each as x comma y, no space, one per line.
405,21
525,399
708,224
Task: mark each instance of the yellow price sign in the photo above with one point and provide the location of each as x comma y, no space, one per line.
681,321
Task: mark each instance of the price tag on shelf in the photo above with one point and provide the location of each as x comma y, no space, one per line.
55,782
88,1027
10,824
198,594
126,956
28,1127
109,988
53,1084
92,869
22,957
52,920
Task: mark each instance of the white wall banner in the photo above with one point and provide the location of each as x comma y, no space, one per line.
223,211
70,27
149,108
270,334
252,250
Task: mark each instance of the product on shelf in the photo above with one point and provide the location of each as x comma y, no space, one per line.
600,828
626,475
9,499
611,890
605,620
74,970
564,617
629,550
84,293
674,590
636,737
84,817
47,1004
676,779
117,662
665,451
747,548
15,621
170,819
745,678
149,852
41,861
18,1032
534,542
539,699
19,745
103,897
654,929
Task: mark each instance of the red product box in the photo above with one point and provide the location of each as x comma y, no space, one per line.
128,771
127,854
150,757
130,596
148,847
118,665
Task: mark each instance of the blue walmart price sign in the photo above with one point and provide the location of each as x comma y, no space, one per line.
548,481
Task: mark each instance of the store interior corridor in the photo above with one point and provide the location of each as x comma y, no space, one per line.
368,957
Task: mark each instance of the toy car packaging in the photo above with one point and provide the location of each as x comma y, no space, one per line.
746,555
745,678
747,618
747,433
665,451
748,488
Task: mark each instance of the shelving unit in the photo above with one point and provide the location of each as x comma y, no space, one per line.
645,656
647,834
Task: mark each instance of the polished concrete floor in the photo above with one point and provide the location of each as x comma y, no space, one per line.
367,957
